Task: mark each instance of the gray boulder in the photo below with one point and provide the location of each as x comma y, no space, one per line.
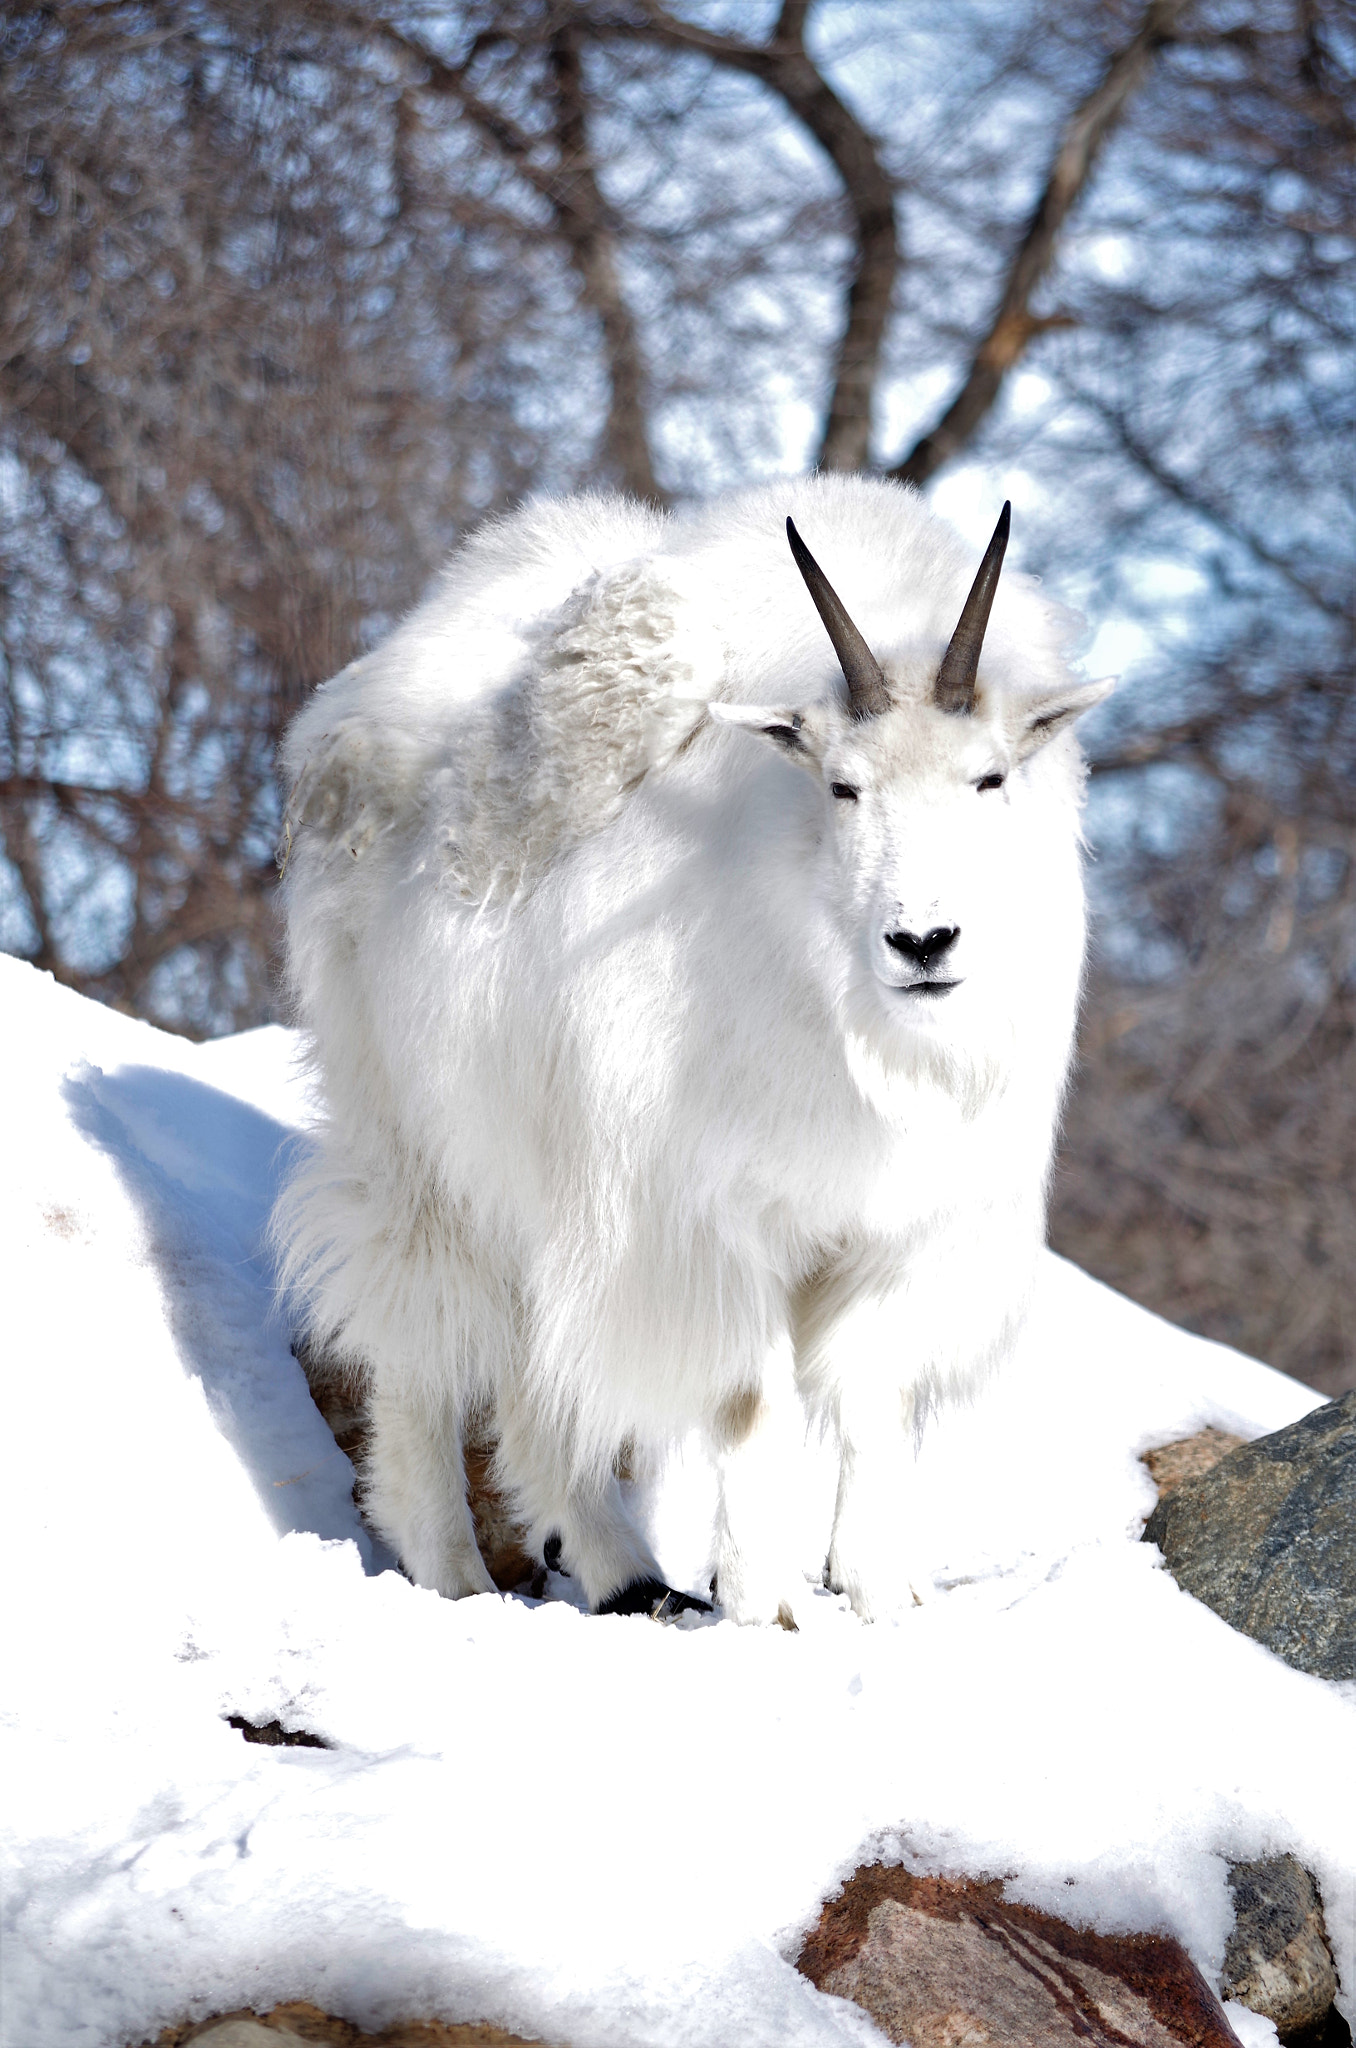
1278,1961
1267,1538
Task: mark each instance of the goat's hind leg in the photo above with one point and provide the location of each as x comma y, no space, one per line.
415,1487
581,1519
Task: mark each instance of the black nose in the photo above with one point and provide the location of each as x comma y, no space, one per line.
927,948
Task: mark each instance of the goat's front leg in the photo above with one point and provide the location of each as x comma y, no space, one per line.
757,1577
947,1321
869,1552
577,1514
414,1486
861,1368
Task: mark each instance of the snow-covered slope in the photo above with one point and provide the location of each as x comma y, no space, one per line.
594,1831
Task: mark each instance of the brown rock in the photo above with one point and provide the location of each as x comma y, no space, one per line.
296,2022
950,1963
336,1386
502,1540
1278,1961
274,1736
243,2031
1188,1457
318,2027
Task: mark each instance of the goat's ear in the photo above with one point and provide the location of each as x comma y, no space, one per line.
1038,719
797,734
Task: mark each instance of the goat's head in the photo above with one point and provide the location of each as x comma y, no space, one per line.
934,822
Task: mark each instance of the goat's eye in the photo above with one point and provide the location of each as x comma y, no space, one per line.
989,782
845,791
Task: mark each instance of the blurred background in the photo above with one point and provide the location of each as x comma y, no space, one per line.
293,294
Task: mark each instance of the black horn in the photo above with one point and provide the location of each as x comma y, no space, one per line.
867,693
954,689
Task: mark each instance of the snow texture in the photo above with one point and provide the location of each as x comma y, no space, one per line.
595,1831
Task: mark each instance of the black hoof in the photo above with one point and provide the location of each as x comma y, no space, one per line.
652,1597
550,1552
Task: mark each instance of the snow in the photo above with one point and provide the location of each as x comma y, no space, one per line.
1251,2028
591,1831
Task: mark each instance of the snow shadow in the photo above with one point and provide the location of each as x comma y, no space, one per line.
201,1168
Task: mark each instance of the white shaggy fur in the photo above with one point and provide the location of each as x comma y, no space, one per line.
632,1120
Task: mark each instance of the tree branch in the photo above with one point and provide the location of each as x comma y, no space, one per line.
791,22
1186,493
570,188
16,822
784,65
583,220
1013,323
1190,735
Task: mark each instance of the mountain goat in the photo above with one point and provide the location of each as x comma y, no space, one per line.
692,989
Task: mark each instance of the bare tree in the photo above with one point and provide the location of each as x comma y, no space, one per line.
259,366
1013,324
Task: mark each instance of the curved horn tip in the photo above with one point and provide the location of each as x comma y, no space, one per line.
957,678
868,694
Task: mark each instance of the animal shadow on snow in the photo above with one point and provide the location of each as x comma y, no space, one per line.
202,1168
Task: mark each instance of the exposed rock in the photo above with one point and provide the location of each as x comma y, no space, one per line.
337,1390
1331,2032
950,1963
1267,1538
274,1735
1278,1961
299,2025
243,2031
1188,1457
502,1540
